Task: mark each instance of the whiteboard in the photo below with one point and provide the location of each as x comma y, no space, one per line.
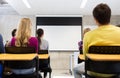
62,37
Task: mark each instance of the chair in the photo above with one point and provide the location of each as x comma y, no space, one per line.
106,67
22,64
46,62
81,52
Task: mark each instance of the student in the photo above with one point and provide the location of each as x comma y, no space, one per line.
23,39
43,45
105,34
1,51
80,44
79,69
13,33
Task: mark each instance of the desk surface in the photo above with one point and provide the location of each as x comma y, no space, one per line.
104,57
43,56
81,56
5,57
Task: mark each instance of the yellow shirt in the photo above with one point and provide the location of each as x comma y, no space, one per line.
104,35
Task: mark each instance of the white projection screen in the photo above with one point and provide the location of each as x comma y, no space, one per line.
62,37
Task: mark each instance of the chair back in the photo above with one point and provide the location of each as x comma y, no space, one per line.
20,64
19,50
44,64
106,67
43,52
104,49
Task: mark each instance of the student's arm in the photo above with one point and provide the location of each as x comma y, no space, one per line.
1,44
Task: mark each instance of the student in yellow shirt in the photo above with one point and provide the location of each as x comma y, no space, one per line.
105,34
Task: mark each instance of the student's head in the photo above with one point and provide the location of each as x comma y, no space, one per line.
13,32
23,32
86,30
40,32
102,14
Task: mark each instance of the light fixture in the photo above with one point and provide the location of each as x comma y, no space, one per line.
83,3
26,3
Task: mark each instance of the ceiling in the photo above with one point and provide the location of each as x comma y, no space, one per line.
6,9
61,7
3,2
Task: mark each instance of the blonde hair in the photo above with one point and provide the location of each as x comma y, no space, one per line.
23,33
86,30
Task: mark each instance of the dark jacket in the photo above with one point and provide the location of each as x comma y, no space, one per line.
1,44
1,51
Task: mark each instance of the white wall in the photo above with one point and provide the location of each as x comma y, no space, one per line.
88,21
9,22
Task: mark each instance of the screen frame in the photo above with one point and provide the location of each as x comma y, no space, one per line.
60,20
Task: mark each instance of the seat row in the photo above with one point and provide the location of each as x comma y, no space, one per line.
102,59
24,58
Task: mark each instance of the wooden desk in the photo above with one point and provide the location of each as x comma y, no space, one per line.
43,56
81,56
7,57
104,57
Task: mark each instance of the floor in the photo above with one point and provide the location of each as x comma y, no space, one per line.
63,77
60,64
61,74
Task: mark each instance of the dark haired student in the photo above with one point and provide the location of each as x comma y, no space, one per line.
105,34
42,45
13,33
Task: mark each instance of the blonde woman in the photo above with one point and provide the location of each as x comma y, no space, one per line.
23,39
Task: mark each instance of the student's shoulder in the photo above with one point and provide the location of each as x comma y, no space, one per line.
0,36
13,39
91,32
116,28
44,41
33,39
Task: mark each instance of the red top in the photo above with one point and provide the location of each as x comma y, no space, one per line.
33,42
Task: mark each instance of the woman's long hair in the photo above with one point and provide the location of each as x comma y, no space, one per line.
23,33
40,33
